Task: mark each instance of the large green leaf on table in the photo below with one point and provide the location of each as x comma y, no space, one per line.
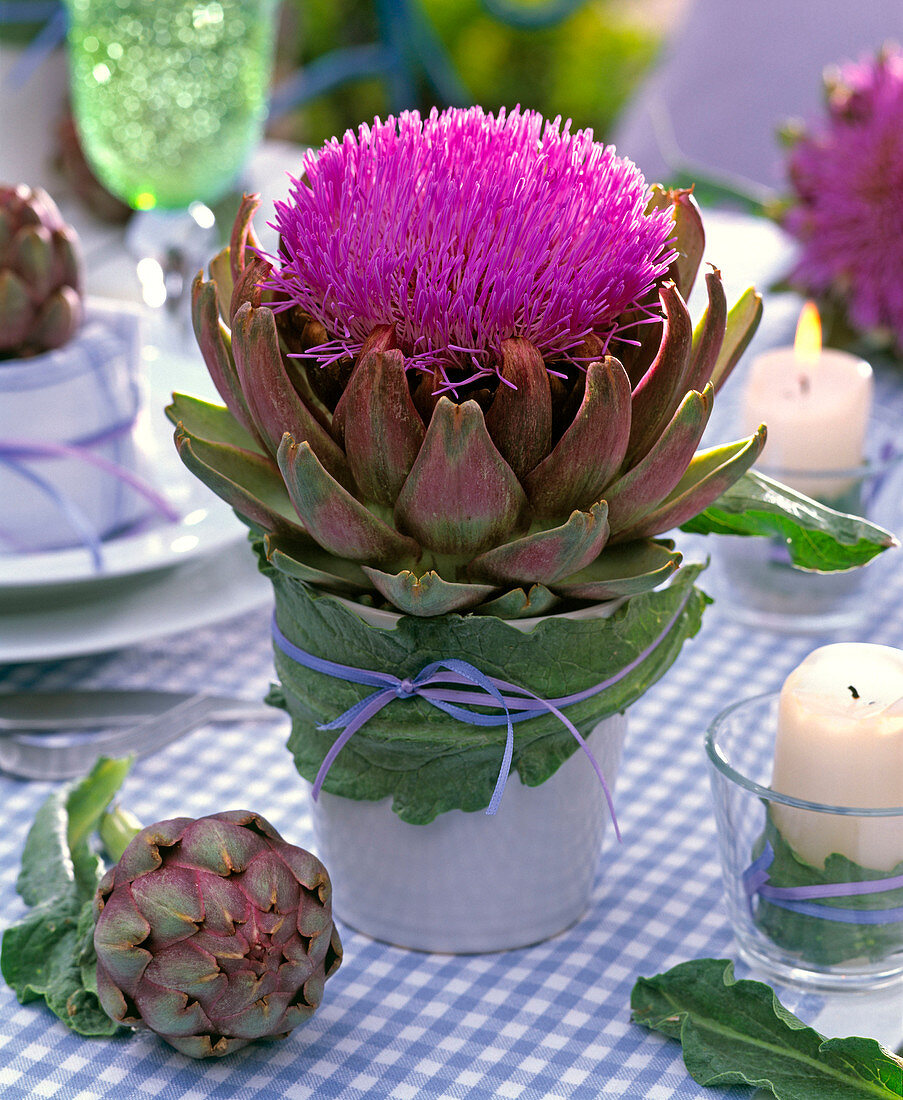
817,538
49,954
428,762
738,1032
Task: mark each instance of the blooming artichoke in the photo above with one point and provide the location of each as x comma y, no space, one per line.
469,379
40,274
845,175
214,932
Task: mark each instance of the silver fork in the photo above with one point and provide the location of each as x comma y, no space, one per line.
47,758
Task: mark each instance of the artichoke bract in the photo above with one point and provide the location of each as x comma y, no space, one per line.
40,274
469,380
214,932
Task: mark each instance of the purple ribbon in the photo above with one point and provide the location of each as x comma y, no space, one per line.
525,703
13,449
453,672
795,898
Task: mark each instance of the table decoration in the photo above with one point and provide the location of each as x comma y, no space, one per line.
809,802
738,1032
69,467
844,172
817,403
423,414
211,932
824,440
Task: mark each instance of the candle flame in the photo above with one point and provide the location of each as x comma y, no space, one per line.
807,344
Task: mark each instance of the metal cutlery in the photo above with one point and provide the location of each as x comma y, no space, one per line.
34,711
41,739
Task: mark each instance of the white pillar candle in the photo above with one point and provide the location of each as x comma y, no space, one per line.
816,404
840,743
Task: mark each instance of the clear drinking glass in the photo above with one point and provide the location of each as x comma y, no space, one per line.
170,98
838,925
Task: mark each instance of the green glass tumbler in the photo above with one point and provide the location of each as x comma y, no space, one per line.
170,96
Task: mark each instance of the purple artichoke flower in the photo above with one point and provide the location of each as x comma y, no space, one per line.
423,402
846,177
213,933
465,229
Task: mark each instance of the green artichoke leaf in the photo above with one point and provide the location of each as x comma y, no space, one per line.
545,556
624,570
827,942
709,474
314,565
210,422
427,593
48,954
659,392
708,336
519,604
592,448
742,321
423,759
250,483
388,431
738,1032
338,521
818,538
689,234
458,465
643,487
215,342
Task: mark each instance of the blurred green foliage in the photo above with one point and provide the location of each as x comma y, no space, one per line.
583,68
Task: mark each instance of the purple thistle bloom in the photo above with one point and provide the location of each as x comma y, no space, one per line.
848,178
464,229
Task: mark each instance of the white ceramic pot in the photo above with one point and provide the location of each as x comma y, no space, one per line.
468,882
86,391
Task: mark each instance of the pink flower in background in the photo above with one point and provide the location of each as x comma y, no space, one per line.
464,229
847,207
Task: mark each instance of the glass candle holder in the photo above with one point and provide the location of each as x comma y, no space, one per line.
831,925
755,577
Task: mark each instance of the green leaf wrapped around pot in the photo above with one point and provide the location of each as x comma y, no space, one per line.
411,751
451,396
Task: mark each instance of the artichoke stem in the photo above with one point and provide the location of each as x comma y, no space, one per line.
117,828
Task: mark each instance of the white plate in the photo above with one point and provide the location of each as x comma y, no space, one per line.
206,523
134,610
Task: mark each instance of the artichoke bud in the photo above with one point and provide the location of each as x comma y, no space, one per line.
214,932
40,274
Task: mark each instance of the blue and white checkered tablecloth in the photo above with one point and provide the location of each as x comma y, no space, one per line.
547,1021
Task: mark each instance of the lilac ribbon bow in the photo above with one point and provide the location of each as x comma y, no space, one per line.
425,685
795,898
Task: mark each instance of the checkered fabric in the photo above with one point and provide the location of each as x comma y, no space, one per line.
547,1021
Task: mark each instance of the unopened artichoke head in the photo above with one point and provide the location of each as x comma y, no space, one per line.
40,274
214,932
469,380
